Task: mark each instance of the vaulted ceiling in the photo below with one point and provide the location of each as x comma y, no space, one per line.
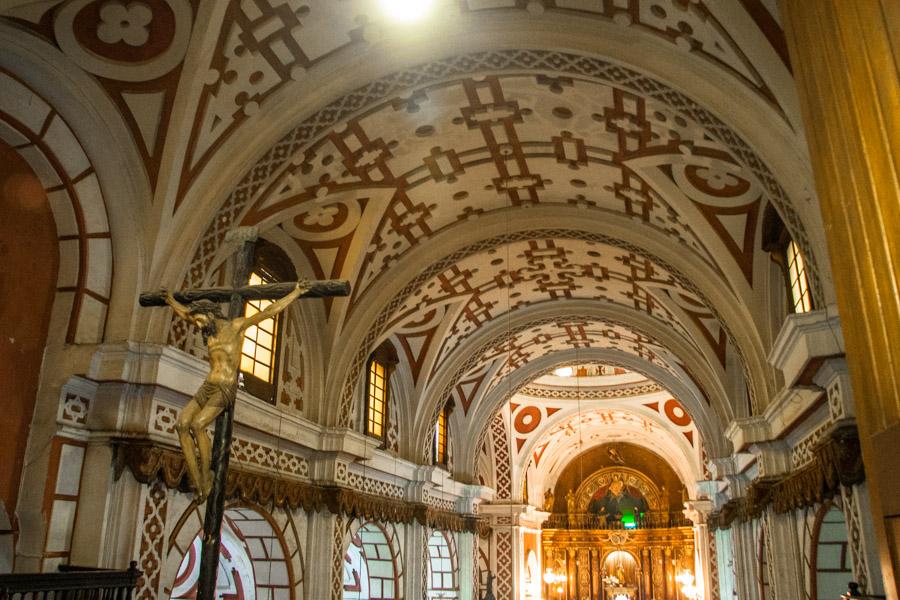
508,186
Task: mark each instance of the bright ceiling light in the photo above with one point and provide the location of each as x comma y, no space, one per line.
406,11
564,372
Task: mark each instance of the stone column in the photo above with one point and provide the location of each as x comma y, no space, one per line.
324,540
698,512
109,522
846,60
786,564
415,569
746,565
466,560
726,559
508,523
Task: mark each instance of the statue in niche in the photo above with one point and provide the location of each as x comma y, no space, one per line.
548,500
615,456
570,502
618,504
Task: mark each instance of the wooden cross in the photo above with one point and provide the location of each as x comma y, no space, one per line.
221,449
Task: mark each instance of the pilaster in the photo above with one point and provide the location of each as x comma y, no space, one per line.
698,512
466,561
846,61
786,572
325,533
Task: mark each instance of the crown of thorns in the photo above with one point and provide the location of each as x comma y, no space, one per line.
206,307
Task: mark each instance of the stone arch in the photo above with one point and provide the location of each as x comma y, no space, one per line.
42,137
461,361
442,567
89,155
62,123
372,550
272,165
273,560
686,391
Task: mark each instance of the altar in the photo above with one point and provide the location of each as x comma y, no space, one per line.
650,558
620,592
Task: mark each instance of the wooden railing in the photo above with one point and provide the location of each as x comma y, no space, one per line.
71,583
652,520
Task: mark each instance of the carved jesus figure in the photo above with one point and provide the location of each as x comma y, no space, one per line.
223,339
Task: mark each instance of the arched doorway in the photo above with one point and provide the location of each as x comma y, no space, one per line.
370,565
443,581
252,562
831,567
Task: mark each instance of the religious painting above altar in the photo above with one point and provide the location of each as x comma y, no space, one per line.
614,500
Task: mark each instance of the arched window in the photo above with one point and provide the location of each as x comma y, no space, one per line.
260,349
378,377
831,567
786,254
371,569
253,562
441,443
442,568
798,279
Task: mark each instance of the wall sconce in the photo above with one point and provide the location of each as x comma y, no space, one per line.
686,579
551,579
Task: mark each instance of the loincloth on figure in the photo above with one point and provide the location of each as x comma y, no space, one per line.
228,392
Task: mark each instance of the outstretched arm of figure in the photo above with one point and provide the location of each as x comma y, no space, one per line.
274,308
180,309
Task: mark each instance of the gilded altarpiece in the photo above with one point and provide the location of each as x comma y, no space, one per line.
617,540
657,556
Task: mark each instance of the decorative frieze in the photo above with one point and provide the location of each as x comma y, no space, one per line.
150,462
836,464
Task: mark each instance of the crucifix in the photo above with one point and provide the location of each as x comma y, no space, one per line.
207,468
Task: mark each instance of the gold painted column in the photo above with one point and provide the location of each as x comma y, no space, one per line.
646,567
846,60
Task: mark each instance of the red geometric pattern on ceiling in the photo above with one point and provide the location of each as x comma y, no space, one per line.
483,287
260,178
134,50
529,418
264,45
456,151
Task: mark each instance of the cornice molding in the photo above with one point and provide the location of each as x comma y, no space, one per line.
149,461
837,463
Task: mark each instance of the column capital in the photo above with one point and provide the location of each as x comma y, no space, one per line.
772,457
513,515
698,511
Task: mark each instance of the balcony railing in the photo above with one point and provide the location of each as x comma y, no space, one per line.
71,583
652,520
